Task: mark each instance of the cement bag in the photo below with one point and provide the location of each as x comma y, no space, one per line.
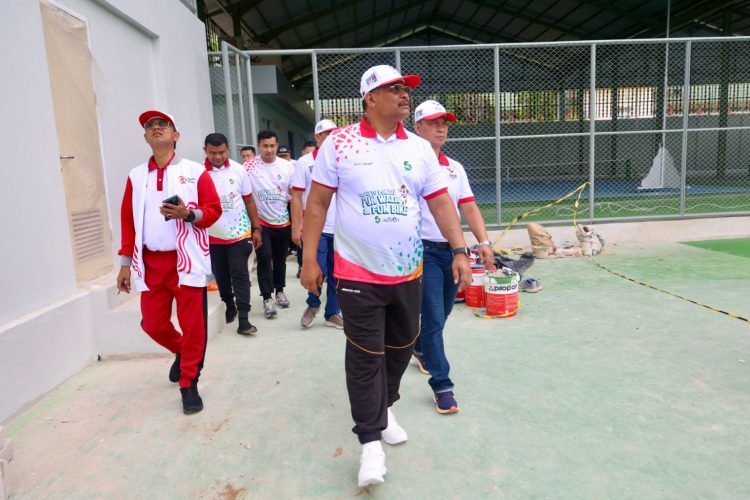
541,241
591,242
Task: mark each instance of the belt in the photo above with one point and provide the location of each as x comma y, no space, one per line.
436,244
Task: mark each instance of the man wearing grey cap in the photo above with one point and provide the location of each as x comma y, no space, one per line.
379,172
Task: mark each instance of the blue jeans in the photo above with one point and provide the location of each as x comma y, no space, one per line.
438,295
325,261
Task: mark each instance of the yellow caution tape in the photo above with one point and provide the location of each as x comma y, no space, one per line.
580,189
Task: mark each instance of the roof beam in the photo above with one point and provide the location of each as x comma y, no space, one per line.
269,35
613,8
531,19
325,37
687,17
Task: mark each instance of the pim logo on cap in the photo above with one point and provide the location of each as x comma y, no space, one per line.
373,78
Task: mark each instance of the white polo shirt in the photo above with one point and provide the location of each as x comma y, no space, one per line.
233,186
270,183
459,191
301,181
378,184
159,235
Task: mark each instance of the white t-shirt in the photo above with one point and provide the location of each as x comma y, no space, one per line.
232,185
301,181
378,184
270,183
459,191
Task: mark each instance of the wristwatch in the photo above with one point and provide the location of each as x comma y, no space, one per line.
487,243
460,250
190,217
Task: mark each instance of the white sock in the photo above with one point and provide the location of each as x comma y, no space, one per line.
372,464
394,433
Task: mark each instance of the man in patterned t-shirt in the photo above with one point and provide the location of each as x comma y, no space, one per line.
270,177
378,171
232,237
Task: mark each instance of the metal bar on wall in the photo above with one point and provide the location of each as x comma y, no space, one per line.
397,58
685,120
316,90
592,130
228,96
240,97
498,144
251,102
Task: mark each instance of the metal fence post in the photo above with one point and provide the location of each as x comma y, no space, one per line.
316,89
592,131
241,99
498,143
228,95
251,102
397,59
685,122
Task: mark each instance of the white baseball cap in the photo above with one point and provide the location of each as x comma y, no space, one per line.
377,76
432,110
147,115
324,126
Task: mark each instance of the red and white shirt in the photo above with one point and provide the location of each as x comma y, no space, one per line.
459,191
378,184
270,183
144,228
233,186
301,181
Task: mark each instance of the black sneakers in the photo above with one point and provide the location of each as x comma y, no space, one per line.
245,327
191,400
230,313
174,371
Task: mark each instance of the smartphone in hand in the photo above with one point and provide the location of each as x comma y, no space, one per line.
172,200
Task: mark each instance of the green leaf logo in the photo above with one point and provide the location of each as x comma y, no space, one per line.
377,219
407,166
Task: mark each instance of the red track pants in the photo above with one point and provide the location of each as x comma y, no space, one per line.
156,307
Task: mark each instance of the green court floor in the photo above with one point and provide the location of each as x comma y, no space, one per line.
599,388
735,246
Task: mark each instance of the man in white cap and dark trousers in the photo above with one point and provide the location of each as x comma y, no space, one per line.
439,291
301,181
168,204
379,172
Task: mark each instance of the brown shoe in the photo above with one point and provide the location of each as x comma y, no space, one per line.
336,321
420,364
308,316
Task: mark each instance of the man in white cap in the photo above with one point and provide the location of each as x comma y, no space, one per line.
168,204
301,181
431,123
378,171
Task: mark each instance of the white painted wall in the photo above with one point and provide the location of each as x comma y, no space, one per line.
36,258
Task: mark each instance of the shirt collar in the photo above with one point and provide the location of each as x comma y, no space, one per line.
442,159
209,165
367,131
152,163
315,153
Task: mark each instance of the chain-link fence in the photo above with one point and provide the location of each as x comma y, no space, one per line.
671,119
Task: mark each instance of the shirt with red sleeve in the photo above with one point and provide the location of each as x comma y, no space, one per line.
378,184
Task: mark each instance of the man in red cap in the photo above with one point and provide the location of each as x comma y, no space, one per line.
379,172
168,204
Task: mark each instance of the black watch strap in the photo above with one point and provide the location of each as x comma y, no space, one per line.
190,217
460,250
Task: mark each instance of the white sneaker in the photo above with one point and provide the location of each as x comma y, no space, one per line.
372,464
394,433
268,308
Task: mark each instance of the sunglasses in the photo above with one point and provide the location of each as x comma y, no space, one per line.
397,88
156,123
